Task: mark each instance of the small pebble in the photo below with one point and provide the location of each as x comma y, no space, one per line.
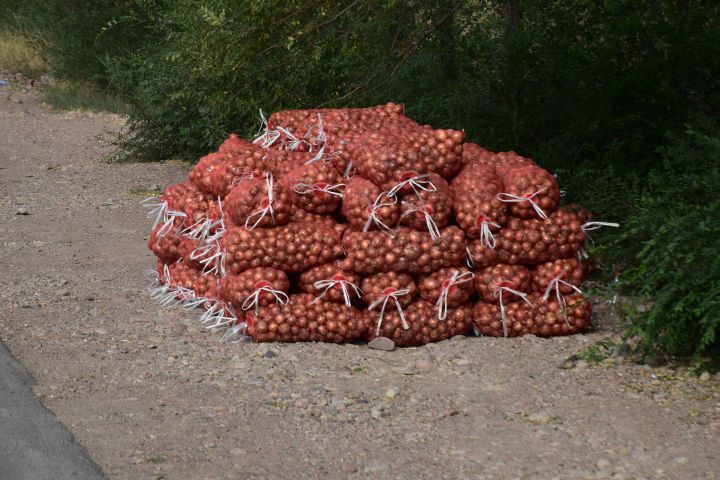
540,418
392,392
22,211
704,376
382,343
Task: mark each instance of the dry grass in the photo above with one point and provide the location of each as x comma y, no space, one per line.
18,54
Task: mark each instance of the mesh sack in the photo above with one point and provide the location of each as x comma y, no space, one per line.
570,314
366,207
428,208
315,187
416,324
477,209
258,203
408,251
332,283
530,242
502,282
447,287
293,248
380,285
254,288
518,319
530,191
306,319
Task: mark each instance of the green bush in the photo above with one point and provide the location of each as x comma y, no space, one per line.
677,270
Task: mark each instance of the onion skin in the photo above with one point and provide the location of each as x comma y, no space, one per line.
235,289
409,251
425,327
431,286
293,248
303,319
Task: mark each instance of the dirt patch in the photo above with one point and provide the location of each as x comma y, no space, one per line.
150,394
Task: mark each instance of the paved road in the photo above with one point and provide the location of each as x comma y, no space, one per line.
33,444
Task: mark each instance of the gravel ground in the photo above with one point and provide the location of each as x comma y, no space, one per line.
149,394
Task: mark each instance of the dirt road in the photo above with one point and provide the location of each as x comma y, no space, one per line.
149,394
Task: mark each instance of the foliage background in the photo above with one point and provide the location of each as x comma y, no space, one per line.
619,98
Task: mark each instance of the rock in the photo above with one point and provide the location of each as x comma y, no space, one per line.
461,362
375,467
681,460
376,412
22,211
422,364
270,354
48,80
540,418
392,392
581,365
659,396
63,293
382,343
154,187
603,463
704,376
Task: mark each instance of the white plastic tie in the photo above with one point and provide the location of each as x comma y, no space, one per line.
486,236
510,198
499,294
388,294
268,137
268,209
337,281
456,279
332,190
555,283
426,213
417,183
373,214
253,300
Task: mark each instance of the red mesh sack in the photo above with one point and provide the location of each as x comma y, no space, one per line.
565,316
282,162
530,191
417,324
530,242
394,157
166,245
258,203
293,248
206,285
305,319
234,143
447,287
510,160
477,209
254,288
474,153
202,172
238,166
315,187
332,283
408,251
401,286
427,209
367,208
515,320
559,277
501,282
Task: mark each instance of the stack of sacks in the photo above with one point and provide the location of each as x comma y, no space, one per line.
340,225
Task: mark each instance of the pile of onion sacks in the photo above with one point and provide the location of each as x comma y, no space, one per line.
342,225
